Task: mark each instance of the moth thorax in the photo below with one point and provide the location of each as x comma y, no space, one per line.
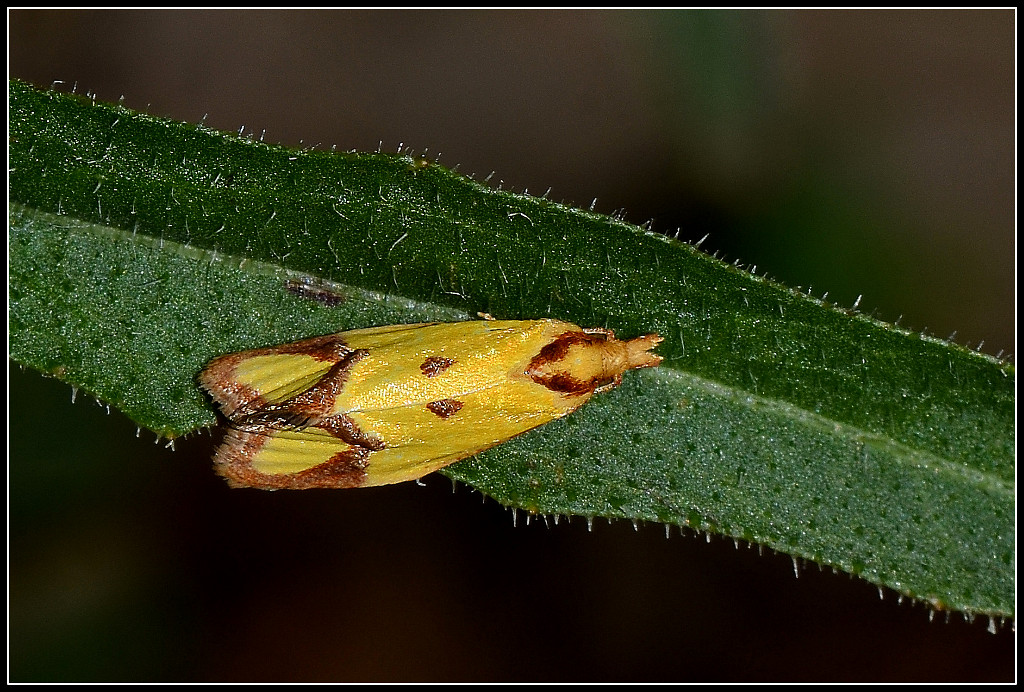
577,363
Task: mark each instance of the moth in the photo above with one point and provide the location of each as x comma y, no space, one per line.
388,404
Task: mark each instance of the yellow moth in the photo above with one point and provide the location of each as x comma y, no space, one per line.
390,404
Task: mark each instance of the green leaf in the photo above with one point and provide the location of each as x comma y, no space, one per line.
141,248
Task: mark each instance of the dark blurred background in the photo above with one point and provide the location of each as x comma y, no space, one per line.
858,153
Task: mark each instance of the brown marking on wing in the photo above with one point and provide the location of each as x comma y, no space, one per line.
346,429
238,400
435,365
309,407
345,469
557,349
563,383
330,347
445,408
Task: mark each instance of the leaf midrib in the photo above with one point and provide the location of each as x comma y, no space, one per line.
914,458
